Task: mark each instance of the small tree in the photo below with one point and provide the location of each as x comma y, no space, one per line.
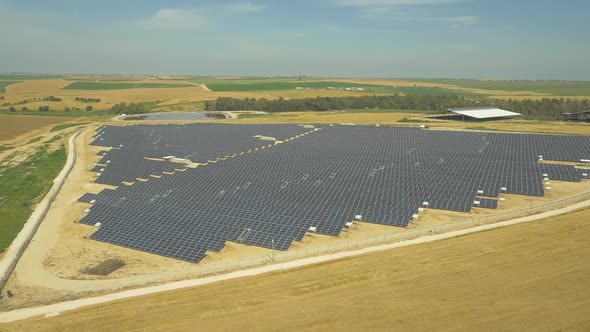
25,108
89,108
12,109
66,109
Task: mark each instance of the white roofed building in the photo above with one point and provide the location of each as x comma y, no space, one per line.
480,113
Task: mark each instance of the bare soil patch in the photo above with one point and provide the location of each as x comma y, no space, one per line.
21,128
105,268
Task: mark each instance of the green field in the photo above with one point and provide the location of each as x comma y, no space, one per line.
248,80
277,85
435,91
378,110
559,88
4,84
22,186
121,86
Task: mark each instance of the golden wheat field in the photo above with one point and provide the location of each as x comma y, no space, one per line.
528,277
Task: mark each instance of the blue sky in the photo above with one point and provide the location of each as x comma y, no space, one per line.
501,39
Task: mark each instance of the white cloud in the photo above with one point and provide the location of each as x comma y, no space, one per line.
459,21
194,18
406,11
244,7
397,14
174,19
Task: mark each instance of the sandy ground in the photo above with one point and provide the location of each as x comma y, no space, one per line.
494,280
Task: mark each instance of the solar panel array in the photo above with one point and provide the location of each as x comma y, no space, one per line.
131,145
318,179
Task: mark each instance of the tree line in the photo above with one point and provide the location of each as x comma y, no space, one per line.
546,107
131,108
46,108
88,100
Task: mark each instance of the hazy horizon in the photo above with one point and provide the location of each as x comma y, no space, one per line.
469,39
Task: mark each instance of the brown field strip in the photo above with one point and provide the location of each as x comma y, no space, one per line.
13,126
526,277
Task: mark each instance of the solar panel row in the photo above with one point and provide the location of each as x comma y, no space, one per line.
271,197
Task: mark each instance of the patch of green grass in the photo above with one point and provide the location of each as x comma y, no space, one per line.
4,84
22,186
67,125
54,139
250,116
33,140
6,147
120,86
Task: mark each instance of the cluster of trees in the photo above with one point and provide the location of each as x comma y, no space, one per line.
131,108
26,101
50,98
88,100
88,109
547,107
410,102
24,109
47,109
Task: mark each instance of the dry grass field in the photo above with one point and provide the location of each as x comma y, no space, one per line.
528,277
13,126
393,118
54,87
30,89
